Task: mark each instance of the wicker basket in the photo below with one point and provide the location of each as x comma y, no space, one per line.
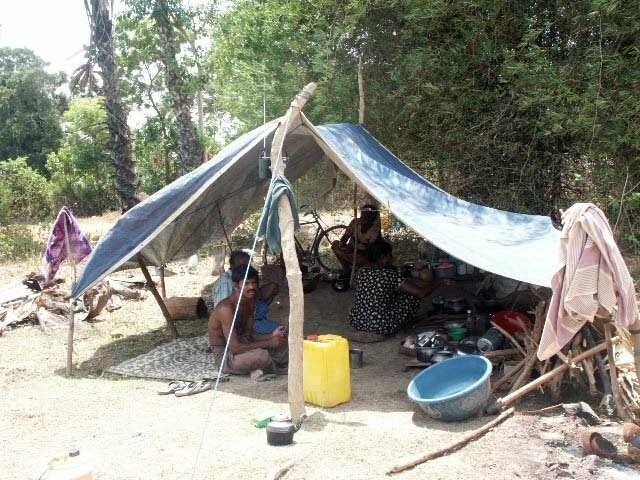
186,308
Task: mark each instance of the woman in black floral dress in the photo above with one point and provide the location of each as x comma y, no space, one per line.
384,299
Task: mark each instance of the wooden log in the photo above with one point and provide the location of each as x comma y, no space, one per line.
555,384
513,397
163,308
591,377
532,356
500,353
513,341
126,292
505,378
613,372
186,308
602,374
294,276
634,330
456,445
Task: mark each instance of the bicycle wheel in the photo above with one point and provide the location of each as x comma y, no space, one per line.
322,249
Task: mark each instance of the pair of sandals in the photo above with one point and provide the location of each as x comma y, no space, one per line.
181,389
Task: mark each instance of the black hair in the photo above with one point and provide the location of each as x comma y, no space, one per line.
235,255
371,210
378,250
238,273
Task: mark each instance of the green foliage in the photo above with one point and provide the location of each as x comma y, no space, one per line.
81,171
518,105
282,46
29,107
23,193
16,241
153,154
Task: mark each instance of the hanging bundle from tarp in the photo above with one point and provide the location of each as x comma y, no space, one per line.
590,281
56,250
270,224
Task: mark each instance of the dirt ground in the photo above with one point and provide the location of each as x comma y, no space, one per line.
130,432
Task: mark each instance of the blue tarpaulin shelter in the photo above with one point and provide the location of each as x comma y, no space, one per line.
198,207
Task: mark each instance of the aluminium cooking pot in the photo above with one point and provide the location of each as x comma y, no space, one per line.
441,356
424,354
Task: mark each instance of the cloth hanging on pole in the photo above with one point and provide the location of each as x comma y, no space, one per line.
590,280
56,250
270,225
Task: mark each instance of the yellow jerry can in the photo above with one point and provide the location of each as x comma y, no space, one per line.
326,374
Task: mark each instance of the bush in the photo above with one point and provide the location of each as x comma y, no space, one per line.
81,170
24,193
16,241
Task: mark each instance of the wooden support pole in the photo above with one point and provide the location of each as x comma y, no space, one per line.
354,265
152,286
456,445
513,397
163,287
361,87
356,231
71,313
294,276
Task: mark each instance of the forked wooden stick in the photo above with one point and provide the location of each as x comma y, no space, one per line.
456,445
513,341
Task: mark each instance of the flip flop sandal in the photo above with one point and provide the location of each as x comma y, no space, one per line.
266,377
194,387
172,387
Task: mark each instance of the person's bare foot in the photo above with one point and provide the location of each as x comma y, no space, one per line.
256,374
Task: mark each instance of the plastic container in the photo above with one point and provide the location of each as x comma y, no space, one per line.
491,340
454,389
71,466
326,374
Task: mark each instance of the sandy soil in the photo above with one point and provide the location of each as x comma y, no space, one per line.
130,432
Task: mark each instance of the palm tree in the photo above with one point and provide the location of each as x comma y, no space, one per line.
167,15
101,53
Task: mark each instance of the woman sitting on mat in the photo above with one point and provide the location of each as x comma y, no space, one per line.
385,301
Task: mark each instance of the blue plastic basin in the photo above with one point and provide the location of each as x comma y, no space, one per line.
454,389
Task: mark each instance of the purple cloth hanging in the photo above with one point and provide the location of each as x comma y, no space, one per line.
56,251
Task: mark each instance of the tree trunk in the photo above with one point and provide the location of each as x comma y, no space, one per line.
127,182
189,154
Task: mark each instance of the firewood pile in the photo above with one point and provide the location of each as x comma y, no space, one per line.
49,306
601,364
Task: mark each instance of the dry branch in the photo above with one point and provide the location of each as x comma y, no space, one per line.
456,445
518,394
532,355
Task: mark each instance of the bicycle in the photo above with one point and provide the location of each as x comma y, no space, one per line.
320,251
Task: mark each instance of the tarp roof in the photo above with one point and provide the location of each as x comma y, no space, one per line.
177,220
